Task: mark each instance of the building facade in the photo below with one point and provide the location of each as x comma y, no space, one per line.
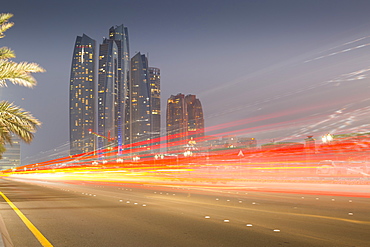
81,96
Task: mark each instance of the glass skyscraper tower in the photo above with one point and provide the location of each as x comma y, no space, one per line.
113,79
139,112
155,103
81,96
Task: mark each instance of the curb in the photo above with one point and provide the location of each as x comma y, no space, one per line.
5,240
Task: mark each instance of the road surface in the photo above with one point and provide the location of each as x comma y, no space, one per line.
93,214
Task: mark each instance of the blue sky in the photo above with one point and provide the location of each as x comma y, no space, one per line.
304,60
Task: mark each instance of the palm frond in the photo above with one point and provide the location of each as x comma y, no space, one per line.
4,24
6,53
17,121
2,150
18,73
5,136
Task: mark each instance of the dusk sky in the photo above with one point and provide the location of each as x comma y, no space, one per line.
273,70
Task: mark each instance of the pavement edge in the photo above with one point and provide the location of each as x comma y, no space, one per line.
5,240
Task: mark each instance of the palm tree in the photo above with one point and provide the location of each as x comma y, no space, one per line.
13,119
17,121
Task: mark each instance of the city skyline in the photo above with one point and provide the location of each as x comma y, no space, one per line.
276,70
128,95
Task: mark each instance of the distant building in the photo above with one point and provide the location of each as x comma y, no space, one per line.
113,75
155,103
11,158
176,122
184,120
81,96
139,111
232,141
195,117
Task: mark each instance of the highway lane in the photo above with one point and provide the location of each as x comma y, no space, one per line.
91,214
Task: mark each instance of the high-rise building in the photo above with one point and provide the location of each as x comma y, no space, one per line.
81,96
155,103
107,92
195,117
113,74
11,158
120,35
176,122
184,120
139,112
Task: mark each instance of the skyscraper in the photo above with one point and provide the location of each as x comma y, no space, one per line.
120,35
184,120
81,96
107,92
113,76
176,122
155,103
139,99
195,117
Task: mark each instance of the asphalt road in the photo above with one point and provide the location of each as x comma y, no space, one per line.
92,214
